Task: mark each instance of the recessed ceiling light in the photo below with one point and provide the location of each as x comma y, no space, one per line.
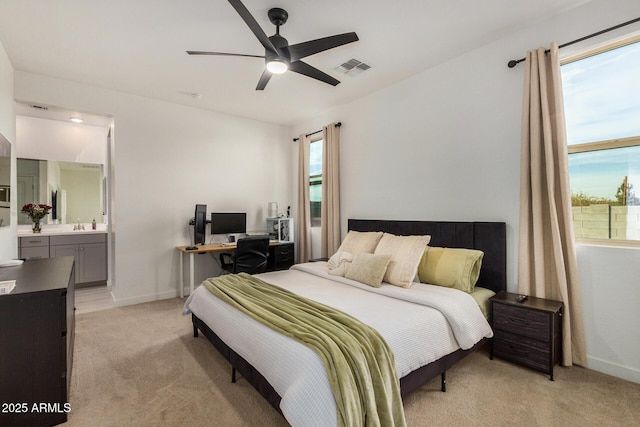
76,119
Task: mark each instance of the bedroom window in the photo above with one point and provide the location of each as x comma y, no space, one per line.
602,107
315,181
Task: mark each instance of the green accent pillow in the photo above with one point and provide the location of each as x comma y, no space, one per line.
450,267
368,268
482,296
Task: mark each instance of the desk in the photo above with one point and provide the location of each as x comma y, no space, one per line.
280,258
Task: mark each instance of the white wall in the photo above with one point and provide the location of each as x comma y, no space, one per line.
445,145
8,239
166,159
62,141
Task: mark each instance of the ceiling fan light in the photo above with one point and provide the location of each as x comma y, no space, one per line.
277,66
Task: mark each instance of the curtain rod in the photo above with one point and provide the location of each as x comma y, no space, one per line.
318,131
513,62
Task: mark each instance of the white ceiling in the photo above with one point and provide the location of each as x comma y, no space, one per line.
138,46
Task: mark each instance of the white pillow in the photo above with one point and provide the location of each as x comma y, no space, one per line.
406,252
339,263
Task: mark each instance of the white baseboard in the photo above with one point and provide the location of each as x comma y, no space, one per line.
613,369
144,298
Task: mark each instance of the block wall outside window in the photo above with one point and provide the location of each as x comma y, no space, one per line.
607,222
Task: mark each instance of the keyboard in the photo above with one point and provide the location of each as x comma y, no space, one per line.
228,244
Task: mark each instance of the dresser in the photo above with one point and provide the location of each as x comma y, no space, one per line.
528,333
36,342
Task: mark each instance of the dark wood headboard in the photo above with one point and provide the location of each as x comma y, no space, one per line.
488,237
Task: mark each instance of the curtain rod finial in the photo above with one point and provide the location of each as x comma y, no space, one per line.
512,63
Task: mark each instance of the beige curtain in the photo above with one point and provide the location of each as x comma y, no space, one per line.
547,265
330,213
304,204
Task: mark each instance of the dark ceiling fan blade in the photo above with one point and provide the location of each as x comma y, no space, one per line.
199,52
264,79
302,50
253,25
309,71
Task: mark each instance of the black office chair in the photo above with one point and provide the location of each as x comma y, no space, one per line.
250,256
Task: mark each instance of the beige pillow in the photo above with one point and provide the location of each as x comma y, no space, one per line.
405,252
360,241
368,268
451,267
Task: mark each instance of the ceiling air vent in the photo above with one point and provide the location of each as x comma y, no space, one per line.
39,107
352,67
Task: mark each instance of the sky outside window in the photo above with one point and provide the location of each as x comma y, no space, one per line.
602,102
315,168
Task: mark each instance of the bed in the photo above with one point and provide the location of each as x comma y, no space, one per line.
254,352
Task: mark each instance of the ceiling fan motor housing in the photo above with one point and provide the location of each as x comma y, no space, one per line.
280,43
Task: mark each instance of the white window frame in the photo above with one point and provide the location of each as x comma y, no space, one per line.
606,144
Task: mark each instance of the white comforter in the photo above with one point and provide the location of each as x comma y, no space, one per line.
420,324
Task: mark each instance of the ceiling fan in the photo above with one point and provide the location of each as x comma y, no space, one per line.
279,56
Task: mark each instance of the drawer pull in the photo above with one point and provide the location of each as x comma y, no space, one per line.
519,320
515,350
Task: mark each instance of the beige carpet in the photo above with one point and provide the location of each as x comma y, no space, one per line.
141,366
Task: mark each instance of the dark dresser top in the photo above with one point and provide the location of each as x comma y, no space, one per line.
530,302
38,275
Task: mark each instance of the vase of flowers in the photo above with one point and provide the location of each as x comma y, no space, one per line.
36,212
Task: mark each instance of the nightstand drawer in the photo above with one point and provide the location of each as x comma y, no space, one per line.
543,346
534,354
530,323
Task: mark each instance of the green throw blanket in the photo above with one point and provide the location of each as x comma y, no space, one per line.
360,366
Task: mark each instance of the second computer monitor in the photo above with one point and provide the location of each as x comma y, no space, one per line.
199,224
228,222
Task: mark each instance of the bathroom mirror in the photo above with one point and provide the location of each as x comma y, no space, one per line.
75,191
5,181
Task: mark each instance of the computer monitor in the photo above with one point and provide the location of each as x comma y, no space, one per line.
228,222
200,225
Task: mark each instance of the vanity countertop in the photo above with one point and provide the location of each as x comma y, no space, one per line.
58,231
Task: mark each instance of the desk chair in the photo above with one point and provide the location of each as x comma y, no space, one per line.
250,256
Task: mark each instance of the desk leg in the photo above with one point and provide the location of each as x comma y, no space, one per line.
191,273
181,274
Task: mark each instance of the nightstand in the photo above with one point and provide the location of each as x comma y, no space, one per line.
528,333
